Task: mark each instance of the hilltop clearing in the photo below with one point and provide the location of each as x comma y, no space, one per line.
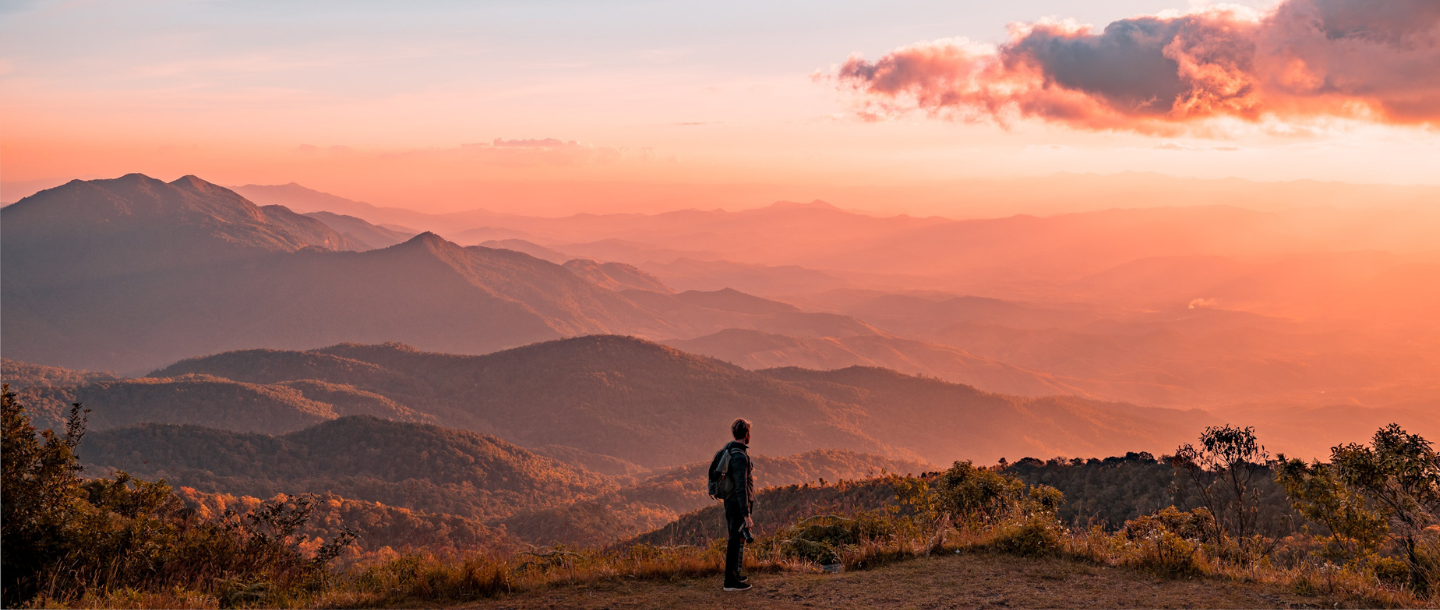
964,580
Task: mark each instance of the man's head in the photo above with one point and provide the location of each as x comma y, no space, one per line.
741,430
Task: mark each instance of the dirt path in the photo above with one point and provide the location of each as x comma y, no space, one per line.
956,581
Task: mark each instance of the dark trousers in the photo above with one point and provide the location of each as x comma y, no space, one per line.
735,550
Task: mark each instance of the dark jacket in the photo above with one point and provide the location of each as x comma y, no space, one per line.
742,474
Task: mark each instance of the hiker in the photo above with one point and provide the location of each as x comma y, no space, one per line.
733,480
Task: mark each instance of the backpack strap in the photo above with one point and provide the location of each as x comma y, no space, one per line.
725,462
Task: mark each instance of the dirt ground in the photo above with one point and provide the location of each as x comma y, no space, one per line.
955,581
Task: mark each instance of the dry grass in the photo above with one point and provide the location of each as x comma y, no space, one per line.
953,580
1007,564
889,558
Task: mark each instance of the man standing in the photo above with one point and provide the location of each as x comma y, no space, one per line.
738,503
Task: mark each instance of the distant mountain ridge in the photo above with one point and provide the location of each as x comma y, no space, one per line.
757,350
646,403
364,233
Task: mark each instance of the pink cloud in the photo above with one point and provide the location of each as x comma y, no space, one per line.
1373,61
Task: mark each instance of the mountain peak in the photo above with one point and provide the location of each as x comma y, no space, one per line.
191,181
429,244
195,184
427,240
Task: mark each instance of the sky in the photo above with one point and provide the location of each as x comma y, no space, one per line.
555,107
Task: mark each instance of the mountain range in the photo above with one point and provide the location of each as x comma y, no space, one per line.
1216,307
629,400
132,273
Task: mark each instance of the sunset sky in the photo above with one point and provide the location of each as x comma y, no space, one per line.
555,107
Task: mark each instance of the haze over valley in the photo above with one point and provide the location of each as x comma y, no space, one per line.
429,304
1177,317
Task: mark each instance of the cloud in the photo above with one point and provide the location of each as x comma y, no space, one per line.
1169,73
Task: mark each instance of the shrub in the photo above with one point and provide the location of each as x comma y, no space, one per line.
1390,571
1035,535
822,538
1165,554
976,495
1167,543
1197,524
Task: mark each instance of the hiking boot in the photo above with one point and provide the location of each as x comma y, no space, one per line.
738,587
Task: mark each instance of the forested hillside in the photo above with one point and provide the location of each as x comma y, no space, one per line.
376,525
441,472
362,458
210,401
1116,489
23,375
662,497
777,508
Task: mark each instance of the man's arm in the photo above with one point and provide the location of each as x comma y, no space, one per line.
743,485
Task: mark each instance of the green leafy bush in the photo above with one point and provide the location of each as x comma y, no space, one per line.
976,495
1036,535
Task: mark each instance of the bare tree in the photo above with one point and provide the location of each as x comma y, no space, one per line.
1222,470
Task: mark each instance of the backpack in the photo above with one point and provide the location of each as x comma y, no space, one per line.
722,485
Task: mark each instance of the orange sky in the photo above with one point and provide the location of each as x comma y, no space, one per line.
553,108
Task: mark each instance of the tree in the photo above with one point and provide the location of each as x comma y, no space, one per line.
40,484
1223,471
1317,493
1400,474
75,536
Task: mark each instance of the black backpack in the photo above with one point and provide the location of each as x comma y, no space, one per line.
722,485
